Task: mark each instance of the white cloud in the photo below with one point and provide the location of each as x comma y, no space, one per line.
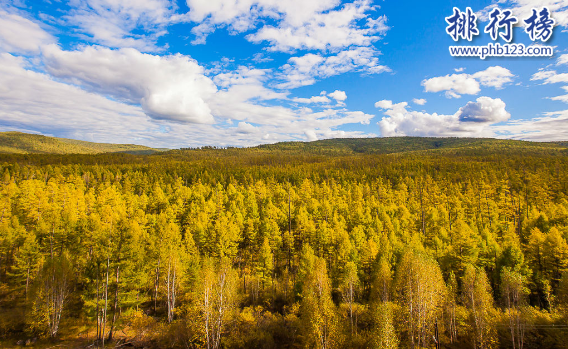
472,120
167,87
243,97
552,127
299,24
332,30
339,96
485,111
304,70
260,57
457,84
386,104
20,35
242,14
495,76
34,102
419,101
136,97
313,99
550,76
562,98
118,23
244,127
311,135
563,59
459,70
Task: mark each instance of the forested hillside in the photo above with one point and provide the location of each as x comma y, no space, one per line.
25,143
336,244
388,145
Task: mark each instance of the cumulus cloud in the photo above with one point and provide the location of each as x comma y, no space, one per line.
484,110
419,101
311,135
242,96
242,14
20,35
343,33
339,96
299,24
118,23
170,100
167,87
457,84
244,127
331,30
305,70
472,120
495,76
35,102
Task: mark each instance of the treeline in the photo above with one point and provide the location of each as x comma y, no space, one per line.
256,249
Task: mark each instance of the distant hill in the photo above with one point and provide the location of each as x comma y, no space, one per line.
25,143
389,145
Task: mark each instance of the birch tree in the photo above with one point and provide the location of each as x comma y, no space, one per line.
53,286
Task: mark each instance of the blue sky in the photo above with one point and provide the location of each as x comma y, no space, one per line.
186,73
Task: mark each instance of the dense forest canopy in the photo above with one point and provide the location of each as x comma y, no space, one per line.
332,244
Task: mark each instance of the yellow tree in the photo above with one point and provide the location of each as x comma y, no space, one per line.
350,288
477,298
317,309
513,293
384,334
52,289
382,282
216,299
420,290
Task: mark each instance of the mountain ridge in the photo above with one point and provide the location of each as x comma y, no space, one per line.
25,143
13,142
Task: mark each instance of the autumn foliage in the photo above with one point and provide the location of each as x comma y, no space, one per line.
269,248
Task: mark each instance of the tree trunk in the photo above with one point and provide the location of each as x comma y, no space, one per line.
115,306
106,303
98,308
27,282
156,285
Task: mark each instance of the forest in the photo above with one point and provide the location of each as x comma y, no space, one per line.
400,243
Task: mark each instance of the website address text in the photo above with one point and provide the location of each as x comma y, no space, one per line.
498,50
